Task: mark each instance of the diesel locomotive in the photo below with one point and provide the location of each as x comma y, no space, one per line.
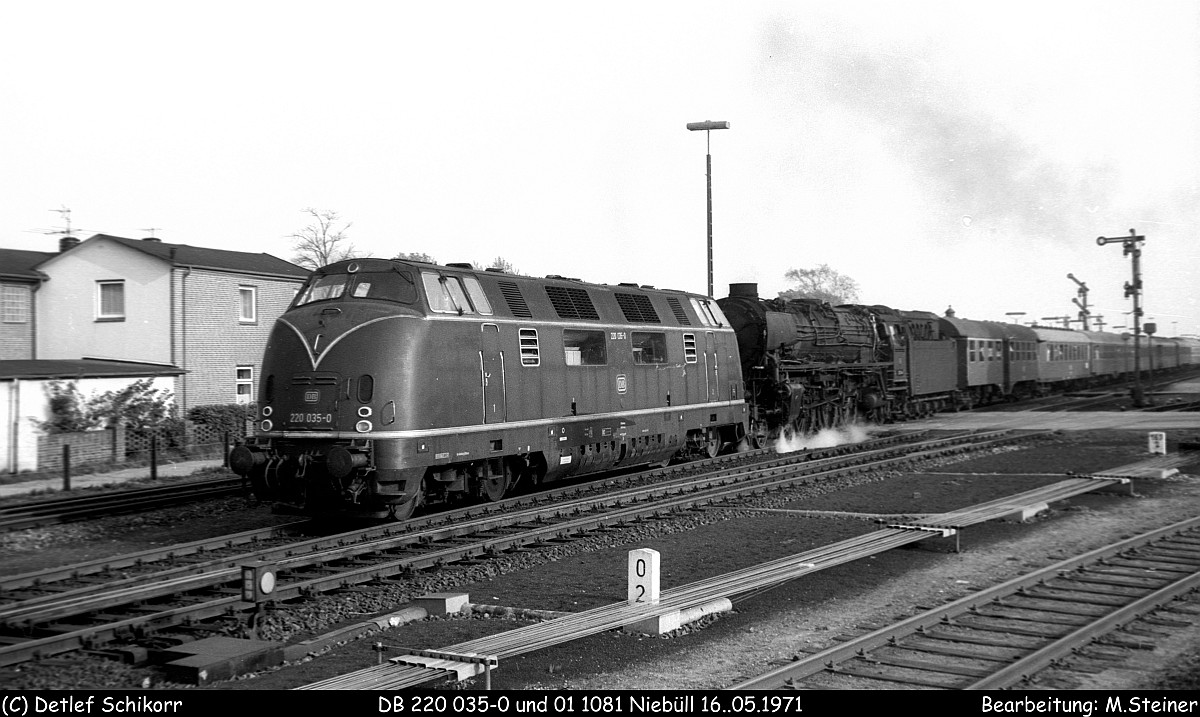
388,384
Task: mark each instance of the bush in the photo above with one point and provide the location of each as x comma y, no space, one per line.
223,417
137,406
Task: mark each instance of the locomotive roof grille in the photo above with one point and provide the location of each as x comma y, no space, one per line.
677,309
571,303
516,302
637,308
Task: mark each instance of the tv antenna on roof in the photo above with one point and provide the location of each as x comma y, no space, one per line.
66,215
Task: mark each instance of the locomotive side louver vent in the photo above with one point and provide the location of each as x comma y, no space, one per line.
677,309
571,303
516,302
638,309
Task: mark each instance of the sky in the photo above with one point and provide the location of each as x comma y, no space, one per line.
939,153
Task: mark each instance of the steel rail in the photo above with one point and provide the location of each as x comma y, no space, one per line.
757,577
783,677
97,633
393,536
52,511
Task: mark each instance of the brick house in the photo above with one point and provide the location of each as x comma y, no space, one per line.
206,311
19,282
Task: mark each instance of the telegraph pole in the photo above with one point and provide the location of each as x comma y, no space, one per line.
1133,249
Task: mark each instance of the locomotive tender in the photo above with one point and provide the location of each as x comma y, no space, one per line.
387,384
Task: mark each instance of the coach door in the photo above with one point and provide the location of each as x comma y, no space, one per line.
710,365
491,369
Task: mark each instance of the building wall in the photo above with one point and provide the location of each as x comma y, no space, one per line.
16,321
70,300
24,404
212,341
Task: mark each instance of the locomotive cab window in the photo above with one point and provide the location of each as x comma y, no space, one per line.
396,286
584,348
649,347
709,313
455,294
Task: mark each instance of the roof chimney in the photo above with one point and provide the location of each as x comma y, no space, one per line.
66,243
151,239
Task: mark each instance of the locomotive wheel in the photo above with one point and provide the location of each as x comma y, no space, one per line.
712,448
496,486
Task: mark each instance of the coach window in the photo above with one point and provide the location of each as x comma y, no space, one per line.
584,348
649,347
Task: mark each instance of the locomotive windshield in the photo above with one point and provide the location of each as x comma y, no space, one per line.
397,286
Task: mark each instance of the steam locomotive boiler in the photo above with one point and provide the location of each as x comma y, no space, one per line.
808,365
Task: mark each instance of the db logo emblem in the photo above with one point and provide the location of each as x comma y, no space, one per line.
312,396
622,384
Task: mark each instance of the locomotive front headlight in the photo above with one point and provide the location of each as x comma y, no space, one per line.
364,411
266,425
267,410
363,426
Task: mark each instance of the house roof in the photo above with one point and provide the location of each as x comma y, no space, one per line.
205,258
81,368
18,264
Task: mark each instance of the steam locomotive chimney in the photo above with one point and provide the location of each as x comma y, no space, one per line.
748,290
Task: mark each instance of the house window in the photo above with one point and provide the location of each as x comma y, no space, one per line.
110,300
16,304
245,384
249,304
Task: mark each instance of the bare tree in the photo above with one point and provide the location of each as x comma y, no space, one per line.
503,265
414,256
320,243
821,283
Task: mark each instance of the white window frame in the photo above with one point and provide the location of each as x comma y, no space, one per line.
16,300
253,317
100,314
238,382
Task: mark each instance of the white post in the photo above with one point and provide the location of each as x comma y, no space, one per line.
644,570
1158,443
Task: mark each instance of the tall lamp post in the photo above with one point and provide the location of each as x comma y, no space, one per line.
708,126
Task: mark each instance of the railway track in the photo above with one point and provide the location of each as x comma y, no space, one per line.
90,605
1002,636
50,511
